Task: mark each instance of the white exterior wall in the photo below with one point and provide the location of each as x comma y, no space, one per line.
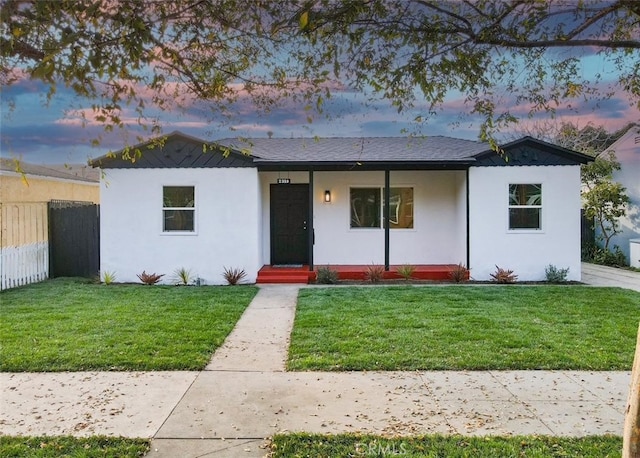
438,236
335,241
227,223
527,253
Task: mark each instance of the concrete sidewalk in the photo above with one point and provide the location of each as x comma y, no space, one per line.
236,411
130,404
244,396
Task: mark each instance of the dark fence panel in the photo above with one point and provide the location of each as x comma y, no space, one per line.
74,239
588,233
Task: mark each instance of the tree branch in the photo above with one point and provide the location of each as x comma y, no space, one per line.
592,20
559,43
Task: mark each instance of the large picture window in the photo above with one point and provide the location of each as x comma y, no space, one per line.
367,207
525,206
178,208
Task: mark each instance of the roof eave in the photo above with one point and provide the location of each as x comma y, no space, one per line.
271,165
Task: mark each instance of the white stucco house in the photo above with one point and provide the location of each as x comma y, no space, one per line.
627,152
340,201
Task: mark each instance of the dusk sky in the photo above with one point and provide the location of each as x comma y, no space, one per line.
37,132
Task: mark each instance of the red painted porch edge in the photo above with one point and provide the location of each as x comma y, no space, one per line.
271,274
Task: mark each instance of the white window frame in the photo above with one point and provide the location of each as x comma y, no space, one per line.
540,207
193,209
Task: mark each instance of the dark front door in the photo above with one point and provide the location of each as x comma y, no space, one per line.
289,218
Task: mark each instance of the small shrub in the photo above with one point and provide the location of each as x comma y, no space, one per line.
588,251
459,273
374,273
149,279
503,276
108,277
615,258
406,271
327,276
182,276
233,275
556,275
597,255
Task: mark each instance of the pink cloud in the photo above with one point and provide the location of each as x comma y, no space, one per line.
14,75
253,127
88,117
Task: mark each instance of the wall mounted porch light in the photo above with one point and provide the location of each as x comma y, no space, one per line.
327,196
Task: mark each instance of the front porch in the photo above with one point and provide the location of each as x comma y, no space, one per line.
301,274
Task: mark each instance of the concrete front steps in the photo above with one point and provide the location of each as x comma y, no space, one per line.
285,274
302,274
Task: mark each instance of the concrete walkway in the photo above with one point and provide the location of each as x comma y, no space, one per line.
260,340
244,396
597,275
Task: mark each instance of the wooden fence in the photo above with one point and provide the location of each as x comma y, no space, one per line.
74,239
24,244
40,240
587,230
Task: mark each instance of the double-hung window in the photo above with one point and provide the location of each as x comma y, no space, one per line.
367,208
178,209
525,206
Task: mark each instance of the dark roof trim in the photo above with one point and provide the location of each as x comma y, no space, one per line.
369,166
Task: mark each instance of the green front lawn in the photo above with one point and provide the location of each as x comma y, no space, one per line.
349,445
465,327
71,325
90,447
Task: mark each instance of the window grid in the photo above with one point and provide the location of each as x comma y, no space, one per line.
178,209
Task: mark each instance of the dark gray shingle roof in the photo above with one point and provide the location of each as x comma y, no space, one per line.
178,150
370,149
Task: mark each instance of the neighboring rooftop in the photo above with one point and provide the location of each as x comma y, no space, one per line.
77,172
